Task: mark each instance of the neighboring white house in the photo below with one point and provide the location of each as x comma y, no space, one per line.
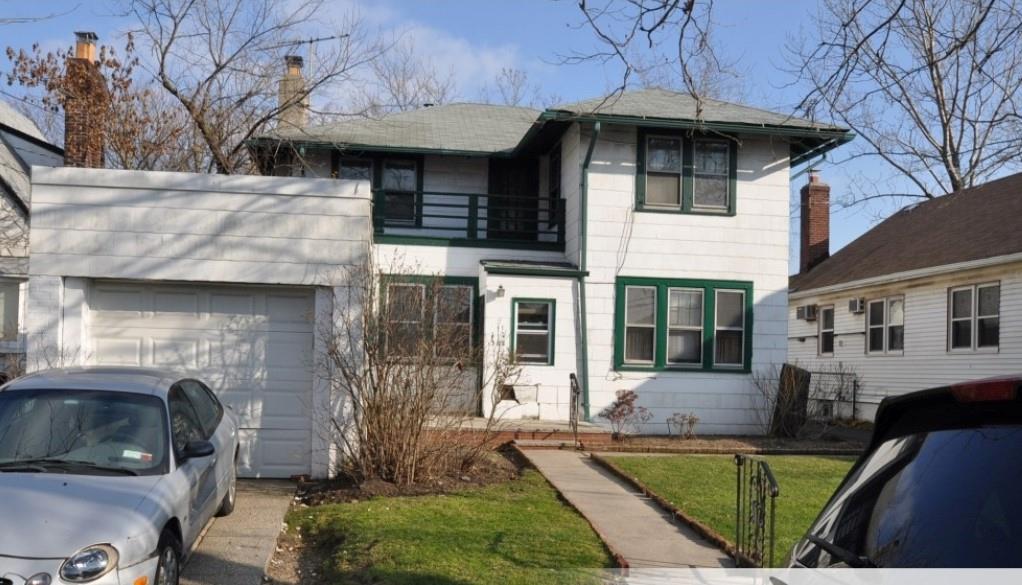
628,242
931,296
22,145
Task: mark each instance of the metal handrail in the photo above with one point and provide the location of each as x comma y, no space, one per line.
575,408
486,216
755,521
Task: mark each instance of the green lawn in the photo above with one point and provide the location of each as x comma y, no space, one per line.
703,486
513,533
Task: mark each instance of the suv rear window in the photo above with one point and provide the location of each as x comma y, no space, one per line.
945,498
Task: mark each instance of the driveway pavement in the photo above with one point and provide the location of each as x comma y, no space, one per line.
631,524
237,548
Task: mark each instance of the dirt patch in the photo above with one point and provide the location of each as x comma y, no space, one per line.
495,467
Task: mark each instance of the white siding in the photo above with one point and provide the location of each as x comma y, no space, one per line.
925,362
752,246
178,226
550,382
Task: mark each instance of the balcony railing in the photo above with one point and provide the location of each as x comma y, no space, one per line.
468,219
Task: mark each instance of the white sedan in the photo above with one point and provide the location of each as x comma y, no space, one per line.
109,475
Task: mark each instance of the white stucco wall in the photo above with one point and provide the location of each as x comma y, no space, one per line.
925,361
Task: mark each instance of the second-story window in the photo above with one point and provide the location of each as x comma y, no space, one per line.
663,171
682,173
355,169
399,179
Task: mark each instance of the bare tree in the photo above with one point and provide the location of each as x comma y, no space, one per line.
221,61
662,42
932,87
402,366
150,133
401,80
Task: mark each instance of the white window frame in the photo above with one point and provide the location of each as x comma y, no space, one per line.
727,176
548,333
702,333
974,318
651,326
716,327
885,325
681,173
821,330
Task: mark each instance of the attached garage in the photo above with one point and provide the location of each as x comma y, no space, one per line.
252,345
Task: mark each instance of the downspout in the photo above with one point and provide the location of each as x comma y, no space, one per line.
582,230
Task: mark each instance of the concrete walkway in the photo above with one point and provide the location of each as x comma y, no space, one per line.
237,548
631,524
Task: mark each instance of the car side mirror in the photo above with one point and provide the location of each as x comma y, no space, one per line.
197,450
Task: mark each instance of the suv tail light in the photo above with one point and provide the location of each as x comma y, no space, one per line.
995,390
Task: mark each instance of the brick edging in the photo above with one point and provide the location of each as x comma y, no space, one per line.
619,559
701,529
611,448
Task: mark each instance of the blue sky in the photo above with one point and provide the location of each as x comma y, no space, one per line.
474,38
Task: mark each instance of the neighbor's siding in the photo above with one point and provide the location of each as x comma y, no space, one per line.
752,246
178,226
925,362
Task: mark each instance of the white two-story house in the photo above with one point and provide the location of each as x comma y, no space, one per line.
626,242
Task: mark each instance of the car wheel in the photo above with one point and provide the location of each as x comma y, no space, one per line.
227,504
168,569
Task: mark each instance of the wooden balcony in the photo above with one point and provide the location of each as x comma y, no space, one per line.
468,219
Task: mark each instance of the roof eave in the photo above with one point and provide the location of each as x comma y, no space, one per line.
349,146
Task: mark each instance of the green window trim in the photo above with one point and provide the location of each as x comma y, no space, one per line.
710,289
688,142
551,330
475,330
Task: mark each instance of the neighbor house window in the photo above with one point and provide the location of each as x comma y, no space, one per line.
685,173
399,180
826,324
974,317
664,324
442,316
533,331
9,302
885,325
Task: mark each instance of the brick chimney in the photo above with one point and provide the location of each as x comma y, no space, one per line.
815,223
85,106
294,110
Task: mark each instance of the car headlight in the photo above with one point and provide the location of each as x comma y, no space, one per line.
40,579
89,564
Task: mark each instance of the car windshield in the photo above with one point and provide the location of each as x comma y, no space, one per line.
946,498
82,431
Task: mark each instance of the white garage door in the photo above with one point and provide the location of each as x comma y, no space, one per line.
253,346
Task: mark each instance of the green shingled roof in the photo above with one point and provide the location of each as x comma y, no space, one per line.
672,105
460,127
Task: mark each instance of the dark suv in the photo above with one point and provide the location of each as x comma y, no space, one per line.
940,485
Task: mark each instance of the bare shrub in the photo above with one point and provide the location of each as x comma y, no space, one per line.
684,425
406,366
784,410
623,414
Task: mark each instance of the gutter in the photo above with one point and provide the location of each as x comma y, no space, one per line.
582,242
908,275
